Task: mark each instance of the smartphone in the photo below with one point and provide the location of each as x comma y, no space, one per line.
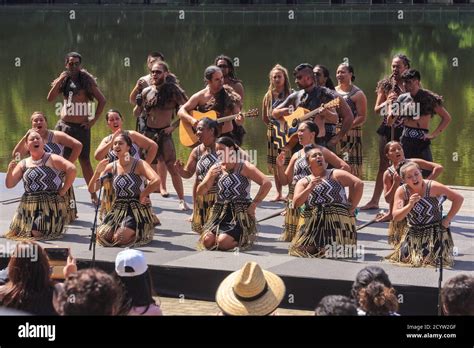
57,260
57,254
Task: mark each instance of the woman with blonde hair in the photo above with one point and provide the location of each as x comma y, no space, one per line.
420,201
278,89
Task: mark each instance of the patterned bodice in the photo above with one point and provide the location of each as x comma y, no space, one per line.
128,185
301,168
233,186
134,152
204,163
427,210
347,97
327,192
41,177
52,147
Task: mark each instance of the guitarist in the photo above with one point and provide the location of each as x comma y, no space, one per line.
160,100
310,96
215,96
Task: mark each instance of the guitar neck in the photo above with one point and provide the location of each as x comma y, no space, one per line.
311,114
227,118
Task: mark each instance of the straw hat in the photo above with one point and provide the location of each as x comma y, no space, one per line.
250,291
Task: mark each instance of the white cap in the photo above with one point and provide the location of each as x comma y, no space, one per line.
130,263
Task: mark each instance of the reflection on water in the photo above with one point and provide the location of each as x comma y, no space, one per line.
34,43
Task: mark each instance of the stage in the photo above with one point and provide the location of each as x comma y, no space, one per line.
180,271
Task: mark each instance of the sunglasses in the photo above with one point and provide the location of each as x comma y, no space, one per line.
158,72
223,66
317,74
74,63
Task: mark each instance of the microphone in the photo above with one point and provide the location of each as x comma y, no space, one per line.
106,176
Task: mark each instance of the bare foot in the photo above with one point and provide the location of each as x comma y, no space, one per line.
383,217
182,205
164,194
190,219
94,199
156,221
369,206
278,198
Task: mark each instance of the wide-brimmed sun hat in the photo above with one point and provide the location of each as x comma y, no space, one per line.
250,291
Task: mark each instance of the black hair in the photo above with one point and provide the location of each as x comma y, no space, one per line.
230,64
74,55
112,110
156,54
349,68
313,127
366,276
457,295
329,84
126,137
411,74
403,58
302,67
210,70
228,142
211,124
336,305
138,291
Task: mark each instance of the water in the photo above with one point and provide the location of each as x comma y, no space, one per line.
33,44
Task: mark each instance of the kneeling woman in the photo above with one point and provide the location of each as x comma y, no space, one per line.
392,181
42,213
232,220
327,219
130,221
420,201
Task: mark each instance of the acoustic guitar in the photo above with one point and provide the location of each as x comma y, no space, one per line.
301,114
187,133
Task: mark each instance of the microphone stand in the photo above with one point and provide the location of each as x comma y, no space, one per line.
93,241
440,260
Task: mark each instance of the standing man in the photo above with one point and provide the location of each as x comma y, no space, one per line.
79,89
228,70
388,89
416,138
310,96
160,101
215,96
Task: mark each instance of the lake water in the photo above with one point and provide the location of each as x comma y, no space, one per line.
34,41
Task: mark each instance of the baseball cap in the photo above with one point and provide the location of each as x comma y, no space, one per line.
130,263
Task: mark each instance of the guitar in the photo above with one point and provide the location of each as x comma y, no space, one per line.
301,114
187,133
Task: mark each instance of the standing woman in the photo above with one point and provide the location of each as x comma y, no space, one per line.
297,169
54,142
114,121
42,213
130,221
351,144
232,221
201,159
278,90
392,181
420,201
328,216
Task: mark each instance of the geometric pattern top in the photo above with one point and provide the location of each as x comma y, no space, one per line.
128,185
41,178
427,210
51,147
233,186
301,168
204,163
327,192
